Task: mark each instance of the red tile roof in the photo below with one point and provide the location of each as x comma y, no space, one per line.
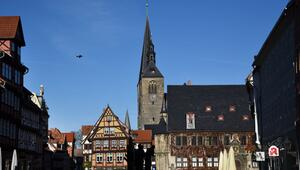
86,129
70,136
142,136
10,26
56,136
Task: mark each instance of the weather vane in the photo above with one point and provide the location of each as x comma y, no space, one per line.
147,5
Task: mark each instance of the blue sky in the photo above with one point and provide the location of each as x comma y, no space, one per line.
207,42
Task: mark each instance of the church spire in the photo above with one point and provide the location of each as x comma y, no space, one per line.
127,121
148,67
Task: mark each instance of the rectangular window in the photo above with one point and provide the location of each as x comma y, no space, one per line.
178,140
194,162
105,143
122,143
109,118
114,143
200,162
209,140
190,120
178,162
214,140
184,140
216,161
120,157
243,140
226,140
194,140
109,157
99,157
200,140
109,131
97,144
209,162
184,162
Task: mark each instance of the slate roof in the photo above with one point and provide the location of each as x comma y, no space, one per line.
148,67
159,128
195,98
11,28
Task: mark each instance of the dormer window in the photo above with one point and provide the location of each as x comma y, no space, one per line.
220,117
232,108
190,120
245,117
208,108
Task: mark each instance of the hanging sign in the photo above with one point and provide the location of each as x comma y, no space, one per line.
260,156
273,151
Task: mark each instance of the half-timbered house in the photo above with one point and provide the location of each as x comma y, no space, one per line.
109,138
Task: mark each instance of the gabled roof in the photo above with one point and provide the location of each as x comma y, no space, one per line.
185,99
55,136
96,126
11,28
70,136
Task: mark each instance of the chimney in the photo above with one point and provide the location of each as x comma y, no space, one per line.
41,90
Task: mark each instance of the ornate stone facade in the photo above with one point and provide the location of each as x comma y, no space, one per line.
205,154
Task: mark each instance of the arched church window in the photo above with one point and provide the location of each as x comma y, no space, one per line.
152,87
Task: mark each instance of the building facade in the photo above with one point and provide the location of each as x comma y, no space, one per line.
60,146
109,138
86,147
150,84
275,90
202,122
21,118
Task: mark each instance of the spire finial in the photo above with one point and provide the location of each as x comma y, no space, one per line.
147,5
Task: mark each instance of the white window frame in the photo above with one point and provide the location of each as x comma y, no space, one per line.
109,157
216,161
209,162
120,157
200,162
122,143
178,162
194,162
99,157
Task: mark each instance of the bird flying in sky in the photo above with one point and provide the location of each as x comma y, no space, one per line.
79,56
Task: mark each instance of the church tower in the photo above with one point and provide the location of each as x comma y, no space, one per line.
150,84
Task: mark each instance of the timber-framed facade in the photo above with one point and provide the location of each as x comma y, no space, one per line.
109,139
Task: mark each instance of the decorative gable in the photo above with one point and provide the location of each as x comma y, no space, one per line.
108,125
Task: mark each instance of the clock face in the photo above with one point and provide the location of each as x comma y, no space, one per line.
152,97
